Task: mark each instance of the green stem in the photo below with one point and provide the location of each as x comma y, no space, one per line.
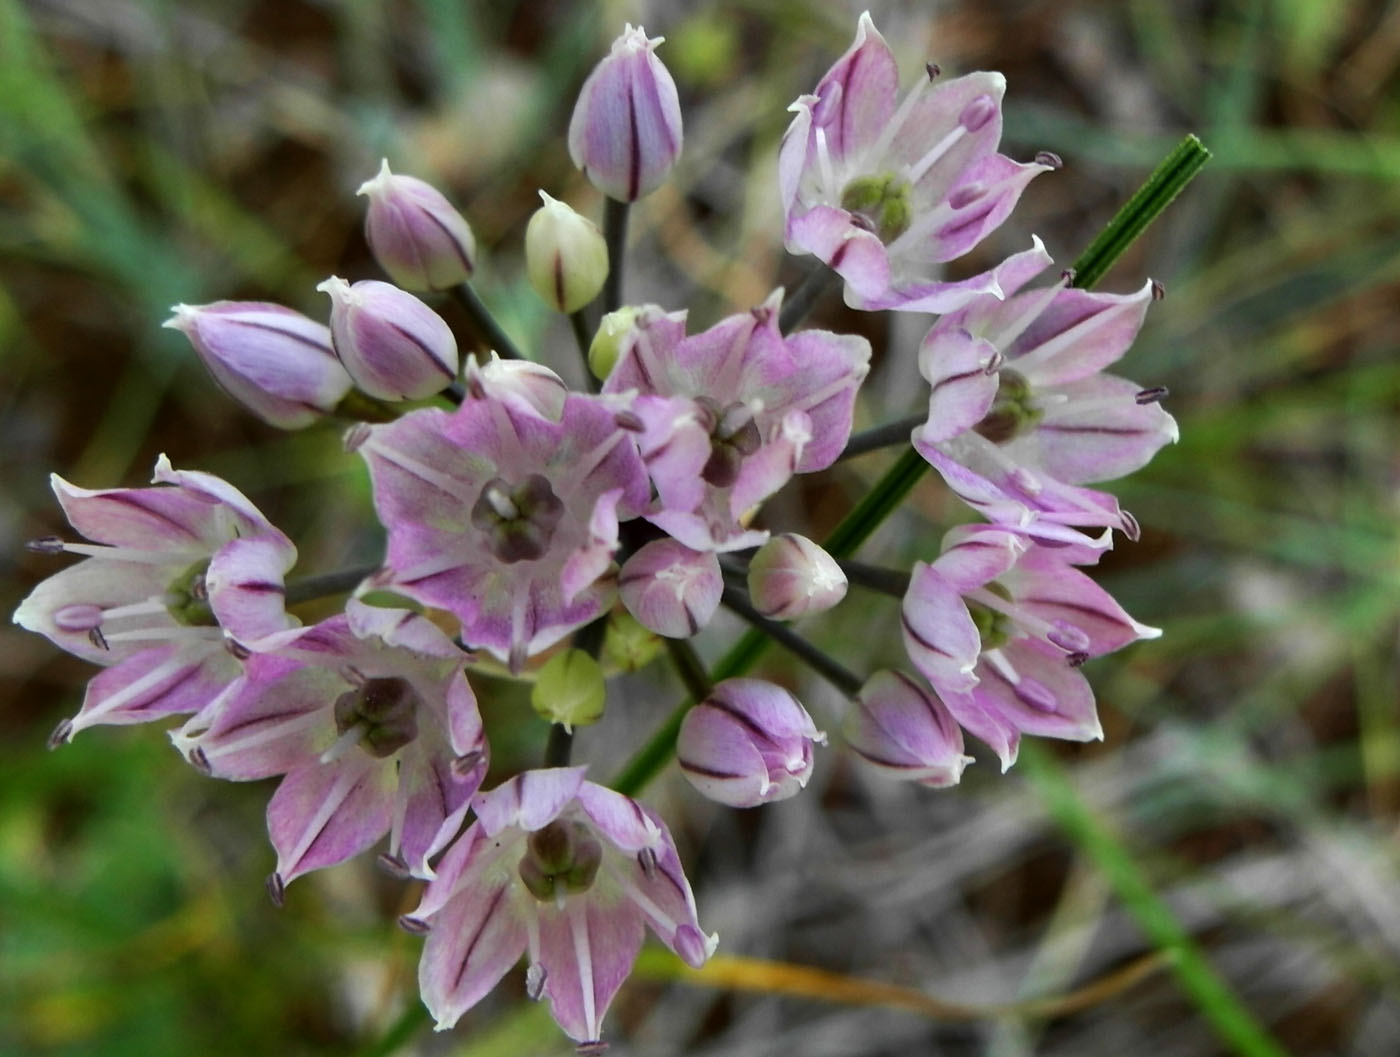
1232,1021
818,660
496,339
340,582
1167,181
615,235
583,335
797,307
877,437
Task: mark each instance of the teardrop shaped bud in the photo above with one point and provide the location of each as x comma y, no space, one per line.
570,689
394,346
277,363
748,743
613,330
791,576
625,133
906,732
566,257
415,233
671,589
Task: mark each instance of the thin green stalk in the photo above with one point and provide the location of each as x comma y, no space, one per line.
1167,181
615,235
583,335
1234,1023
877,437
797,307
340,582
485,323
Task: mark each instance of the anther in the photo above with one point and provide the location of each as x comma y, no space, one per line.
417,926
276,888
237,650
1074,660
646,859
535,977
62,734
199,760
1151,396
1158,290
394,866
932,69
629,421
46,545
1130,525
1067,276
1049,158
98,639
355,436
994,363
464,765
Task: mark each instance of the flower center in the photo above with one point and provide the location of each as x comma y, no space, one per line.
733,437
518,523
187,598
995,628
384,713
879,203
1012,412
561,858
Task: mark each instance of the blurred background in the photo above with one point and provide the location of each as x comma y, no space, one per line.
1218,876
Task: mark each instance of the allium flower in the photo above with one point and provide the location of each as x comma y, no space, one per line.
371,719
504,518
748,743
625,133
415,233
1000,626
732,413
275,362
1018,399
902,730
566,871
176,577
885,192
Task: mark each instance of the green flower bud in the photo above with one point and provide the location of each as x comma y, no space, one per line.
628,646
606,346
565,256
569,689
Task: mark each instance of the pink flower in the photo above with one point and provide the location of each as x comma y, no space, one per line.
567,872
885,192
900,729
371,719
1000,626
1020,411
176,576
505,518
732,413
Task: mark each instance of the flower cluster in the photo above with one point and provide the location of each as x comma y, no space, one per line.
522,516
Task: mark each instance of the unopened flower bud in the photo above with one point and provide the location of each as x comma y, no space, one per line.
628,645
905,731
565,256
748,743
415,233
613,330
791,576
527,386
625,133
671,589
394,346
275,362
569,689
